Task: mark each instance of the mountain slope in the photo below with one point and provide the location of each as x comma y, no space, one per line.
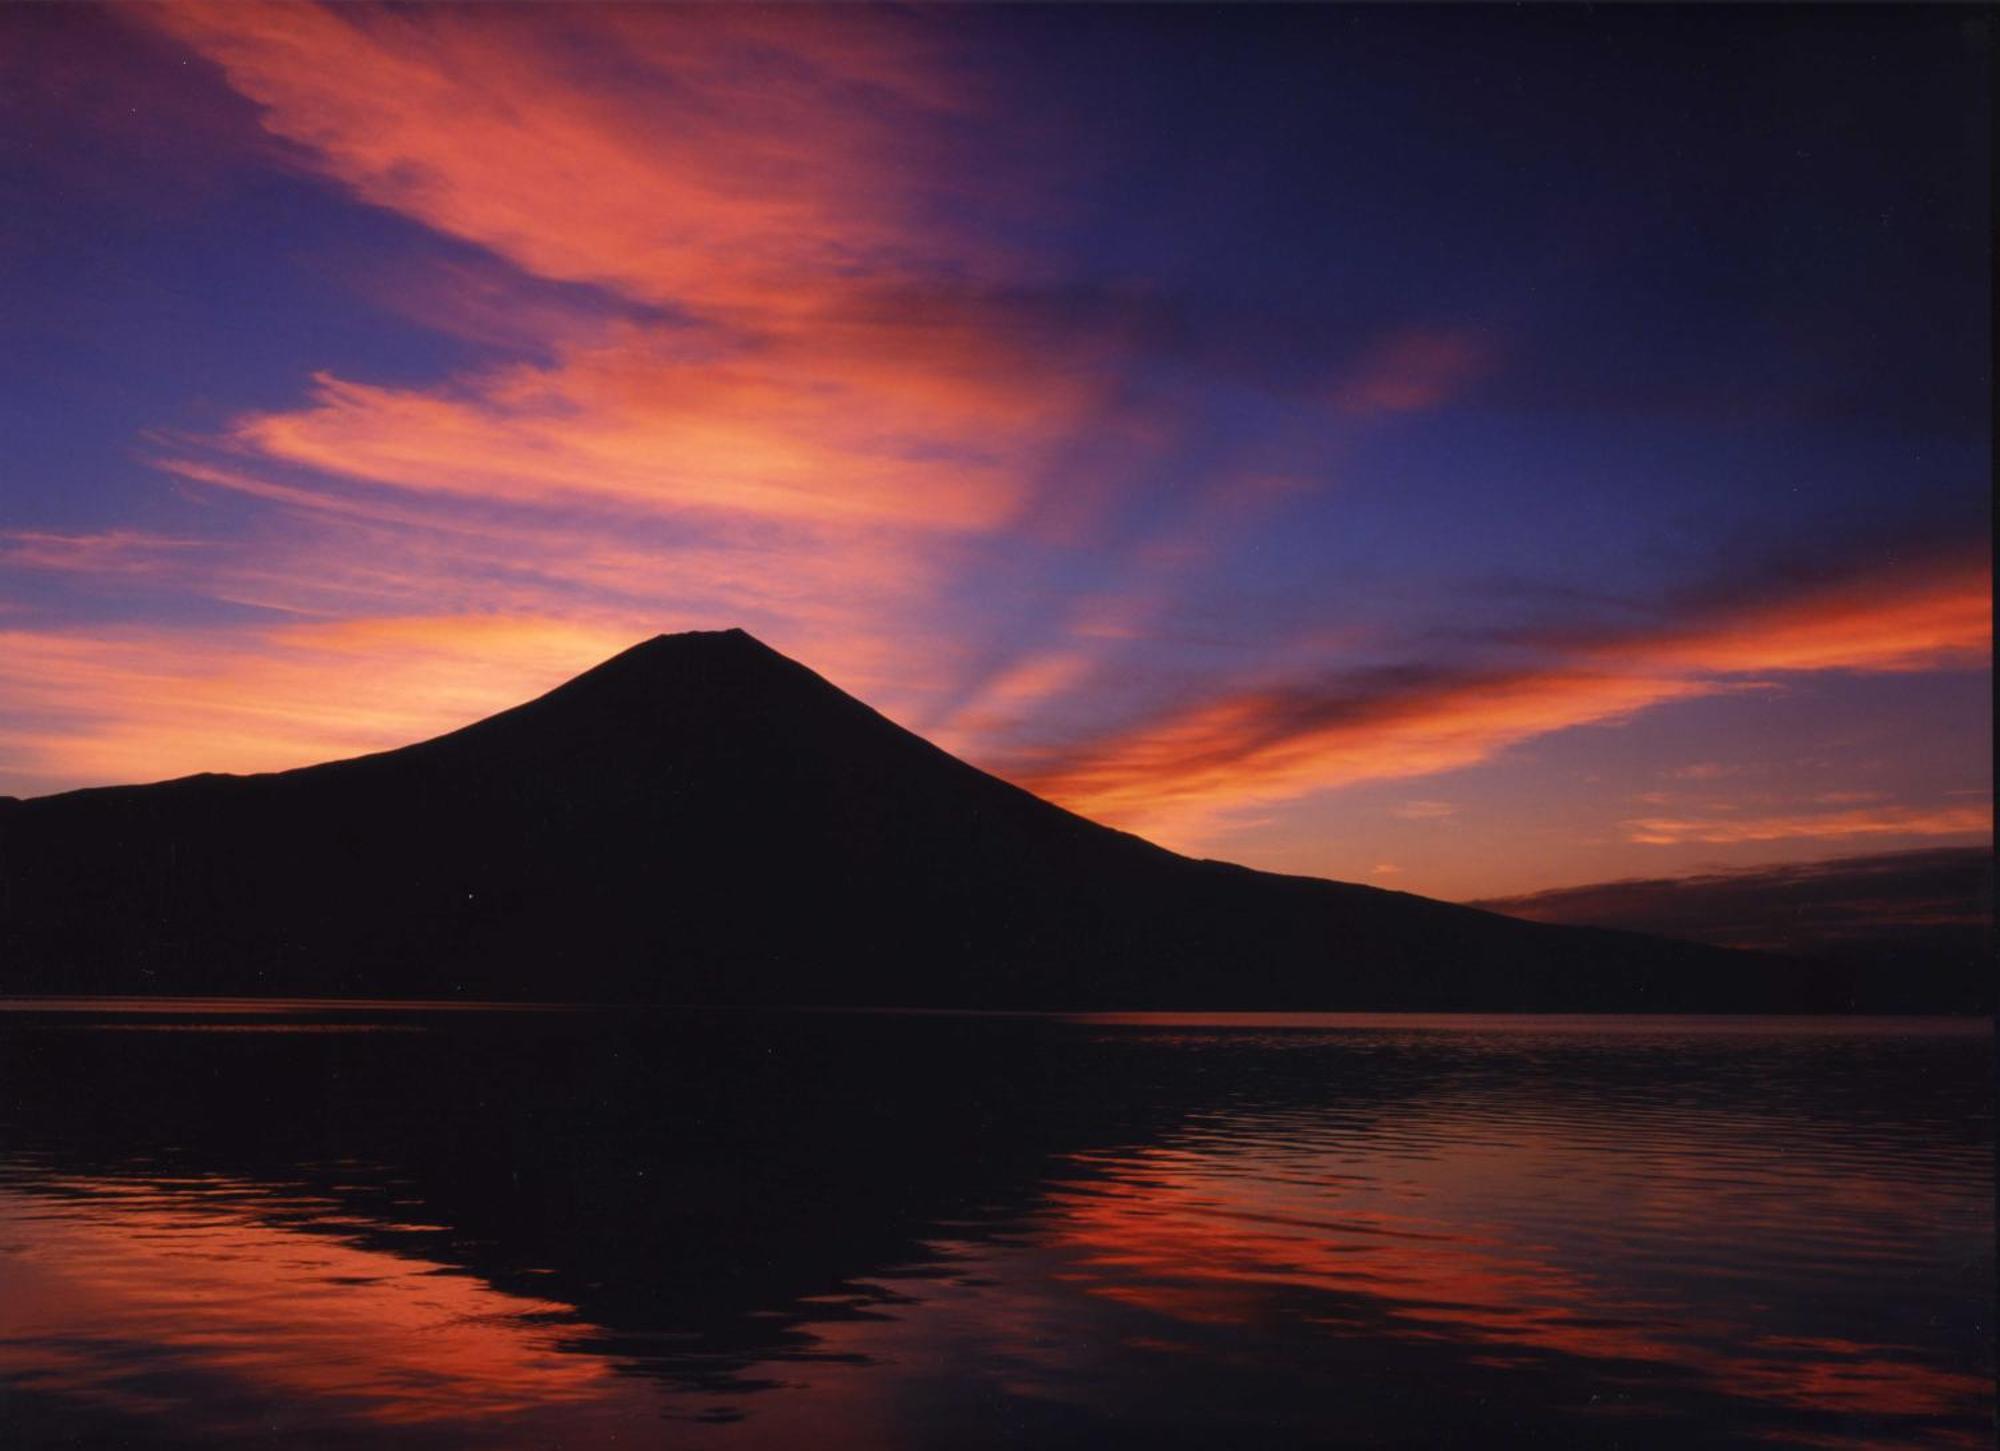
701,819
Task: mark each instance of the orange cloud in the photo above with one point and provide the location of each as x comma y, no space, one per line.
85,710
1273,744
1933,615
1868,821
634,421
1256,745
721,155
97,707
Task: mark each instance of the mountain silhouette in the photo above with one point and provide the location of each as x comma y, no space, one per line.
702,820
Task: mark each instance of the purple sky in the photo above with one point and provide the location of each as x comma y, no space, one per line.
1473,452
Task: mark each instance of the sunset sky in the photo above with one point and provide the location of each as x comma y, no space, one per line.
1469,452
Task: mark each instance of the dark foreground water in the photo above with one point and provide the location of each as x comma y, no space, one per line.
313,1228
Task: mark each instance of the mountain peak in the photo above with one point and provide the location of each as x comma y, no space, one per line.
733,633
727,677
688,647
734,636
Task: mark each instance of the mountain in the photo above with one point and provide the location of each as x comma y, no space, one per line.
700,819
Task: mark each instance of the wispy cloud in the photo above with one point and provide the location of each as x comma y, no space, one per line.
1928,613
1177,771
1883,820
1424,810
1410,371
750,158
106,553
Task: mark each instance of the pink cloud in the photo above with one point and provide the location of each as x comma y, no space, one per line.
1410,371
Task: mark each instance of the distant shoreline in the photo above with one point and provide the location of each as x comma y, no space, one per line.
1221,1019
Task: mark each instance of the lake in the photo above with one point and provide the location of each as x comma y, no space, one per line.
373,1224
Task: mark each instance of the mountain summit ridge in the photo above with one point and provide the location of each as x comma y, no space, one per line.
700,818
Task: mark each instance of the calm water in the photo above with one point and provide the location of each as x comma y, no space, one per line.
306,1227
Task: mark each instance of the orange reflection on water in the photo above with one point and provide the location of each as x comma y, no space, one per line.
1490,1235
1379,1244
187,1299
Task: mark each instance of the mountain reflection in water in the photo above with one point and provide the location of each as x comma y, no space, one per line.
314,1225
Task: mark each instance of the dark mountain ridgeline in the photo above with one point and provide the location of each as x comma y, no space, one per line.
1910,914
700,819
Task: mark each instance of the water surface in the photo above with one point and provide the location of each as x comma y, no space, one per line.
312,1225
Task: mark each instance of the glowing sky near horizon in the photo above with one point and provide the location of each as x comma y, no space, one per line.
1469,452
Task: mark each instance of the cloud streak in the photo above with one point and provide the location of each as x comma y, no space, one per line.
1273,742
1883,820
740,158
1410,371
122,553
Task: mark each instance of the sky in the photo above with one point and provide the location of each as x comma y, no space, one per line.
1472,452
